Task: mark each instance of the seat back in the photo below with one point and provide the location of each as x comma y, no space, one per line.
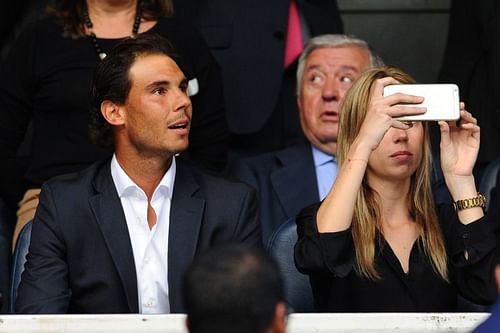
18,261
298,292
489,180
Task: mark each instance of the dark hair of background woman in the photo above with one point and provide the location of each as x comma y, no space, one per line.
71,13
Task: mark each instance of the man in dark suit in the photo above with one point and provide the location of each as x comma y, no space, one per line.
290,179
117,237
248,39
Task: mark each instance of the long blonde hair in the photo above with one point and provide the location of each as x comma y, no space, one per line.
367,207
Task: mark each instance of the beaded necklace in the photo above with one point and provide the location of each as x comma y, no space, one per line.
93,37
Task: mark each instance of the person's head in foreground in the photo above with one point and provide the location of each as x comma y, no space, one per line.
234,289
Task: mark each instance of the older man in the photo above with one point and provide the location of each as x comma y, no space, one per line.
117,237
289,179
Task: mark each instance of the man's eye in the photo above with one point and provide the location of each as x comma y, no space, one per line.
346,79
315,79
159,91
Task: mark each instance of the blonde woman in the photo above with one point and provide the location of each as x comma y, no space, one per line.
377,242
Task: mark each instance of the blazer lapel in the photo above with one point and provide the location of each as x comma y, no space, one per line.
186,215
108,212
293,182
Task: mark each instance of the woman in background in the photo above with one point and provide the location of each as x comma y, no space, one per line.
46,76
377,242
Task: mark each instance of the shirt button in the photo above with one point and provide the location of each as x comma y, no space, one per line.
147,260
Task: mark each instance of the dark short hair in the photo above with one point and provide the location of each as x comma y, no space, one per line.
232,289
111,80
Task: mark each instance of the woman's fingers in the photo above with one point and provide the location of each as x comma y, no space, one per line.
404,110
400,98
378,87
466,116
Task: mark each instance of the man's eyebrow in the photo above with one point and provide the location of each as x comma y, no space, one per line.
158,84
313,67
349,68
342,68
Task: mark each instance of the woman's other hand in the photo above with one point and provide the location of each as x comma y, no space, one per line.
459,144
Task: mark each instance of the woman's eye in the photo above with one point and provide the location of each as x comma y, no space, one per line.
409,123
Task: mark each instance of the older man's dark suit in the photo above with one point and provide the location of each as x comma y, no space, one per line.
81,259
286,182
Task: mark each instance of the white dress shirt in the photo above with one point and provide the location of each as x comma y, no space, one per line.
150,246
326,171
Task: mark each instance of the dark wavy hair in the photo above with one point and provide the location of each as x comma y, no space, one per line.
71,13
111,80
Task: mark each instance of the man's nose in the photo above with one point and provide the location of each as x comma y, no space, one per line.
182,100
331,89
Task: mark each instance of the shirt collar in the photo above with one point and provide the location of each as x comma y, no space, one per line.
320,157
123,182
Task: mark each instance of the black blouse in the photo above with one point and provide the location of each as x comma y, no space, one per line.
329,260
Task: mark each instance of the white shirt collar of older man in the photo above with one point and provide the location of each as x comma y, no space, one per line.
326,171
150,246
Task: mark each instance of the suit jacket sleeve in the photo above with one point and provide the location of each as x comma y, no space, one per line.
44,283
248,229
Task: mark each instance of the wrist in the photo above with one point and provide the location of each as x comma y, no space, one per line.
461,187
358,152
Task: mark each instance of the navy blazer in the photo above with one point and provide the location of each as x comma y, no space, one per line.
80,258
285,181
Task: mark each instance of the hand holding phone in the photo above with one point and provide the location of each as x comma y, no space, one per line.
441,100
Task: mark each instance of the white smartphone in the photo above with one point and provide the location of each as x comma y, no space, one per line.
441,100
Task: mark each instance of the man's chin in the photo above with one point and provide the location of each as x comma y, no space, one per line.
180,149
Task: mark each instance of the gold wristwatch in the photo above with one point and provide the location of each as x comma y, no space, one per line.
478,201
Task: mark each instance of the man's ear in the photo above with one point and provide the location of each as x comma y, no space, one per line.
280,317
112,112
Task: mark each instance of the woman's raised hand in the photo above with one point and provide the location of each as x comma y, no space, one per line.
383,111
459,144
